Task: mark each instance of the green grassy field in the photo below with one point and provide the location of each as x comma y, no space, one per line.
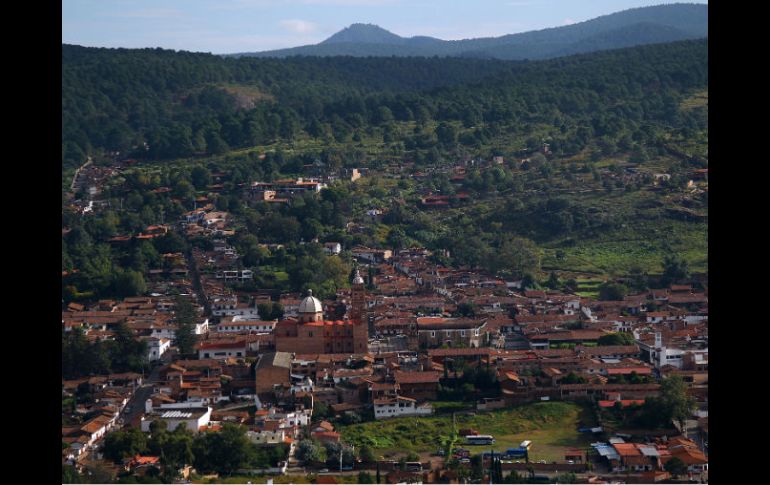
643,245
588,287
697,100
552,427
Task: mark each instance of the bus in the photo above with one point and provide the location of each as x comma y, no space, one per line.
480,439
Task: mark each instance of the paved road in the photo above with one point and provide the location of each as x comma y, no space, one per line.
77,173
693,432
135,406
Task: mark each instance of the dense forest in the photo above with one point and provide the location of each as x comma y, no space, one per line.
159,104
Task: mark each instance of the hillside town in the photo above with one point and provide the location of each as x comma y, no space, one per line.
385,259
294,371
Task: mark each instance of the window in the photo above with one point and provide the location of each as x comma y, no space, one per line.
433,334
462,333
310,334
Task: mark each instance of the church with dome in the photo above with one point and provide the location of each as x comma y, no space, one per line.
310,333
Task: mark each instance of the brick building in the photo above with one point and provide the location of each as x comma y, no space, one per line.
311,334
273,369
436,331
418,385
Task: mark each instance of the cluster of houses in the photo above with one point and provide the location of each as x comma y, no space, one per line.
90,179
380,350
150,318
206,221
651,457
109,396
542,345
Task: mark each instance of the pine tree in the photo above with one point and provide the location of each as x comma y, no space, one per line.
185,334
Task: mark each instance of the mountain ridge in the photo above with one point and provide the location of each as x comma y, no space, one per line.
637,26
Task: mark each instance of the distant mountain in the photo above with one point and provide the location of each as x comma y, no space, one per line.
366,34
639,26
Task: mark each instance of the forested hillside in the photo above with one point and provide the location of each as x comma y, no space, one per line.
598,153
181,104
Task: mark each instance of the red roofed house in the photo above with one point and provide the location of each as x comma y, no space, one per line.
139,461
687,451
623,402
418,385
326,436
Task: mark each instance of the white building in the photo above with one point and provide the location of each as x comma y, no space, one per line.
229,308
169,331
661,355
192,417
202,327
400,406
221,350
235,275
237,325
156,347
332,248
291,419
268,436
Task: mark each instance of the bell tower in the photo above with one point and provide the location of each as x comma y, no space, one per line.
358,299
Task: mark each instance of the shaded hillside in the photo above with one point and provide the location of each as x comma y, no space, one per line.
639,26
177,103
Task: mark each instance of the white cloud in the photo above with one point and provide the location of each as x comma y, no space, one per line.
568,22
298,26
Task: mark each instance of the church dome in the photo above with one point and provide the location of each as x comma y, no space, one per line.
310,304
357,280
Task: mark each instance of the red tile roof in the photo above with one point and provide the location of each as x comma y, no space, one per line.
623,403
428,377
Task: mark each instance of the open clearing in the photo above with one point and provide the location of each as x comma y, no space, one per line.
551,426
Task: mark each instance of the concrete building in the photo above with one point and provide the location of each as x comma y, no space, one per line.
400,406
194,418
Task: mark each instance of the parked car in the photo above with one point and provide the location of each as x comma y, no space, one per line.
323,470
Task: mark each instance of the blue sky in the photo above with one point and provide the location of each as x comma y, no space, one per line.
228,26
